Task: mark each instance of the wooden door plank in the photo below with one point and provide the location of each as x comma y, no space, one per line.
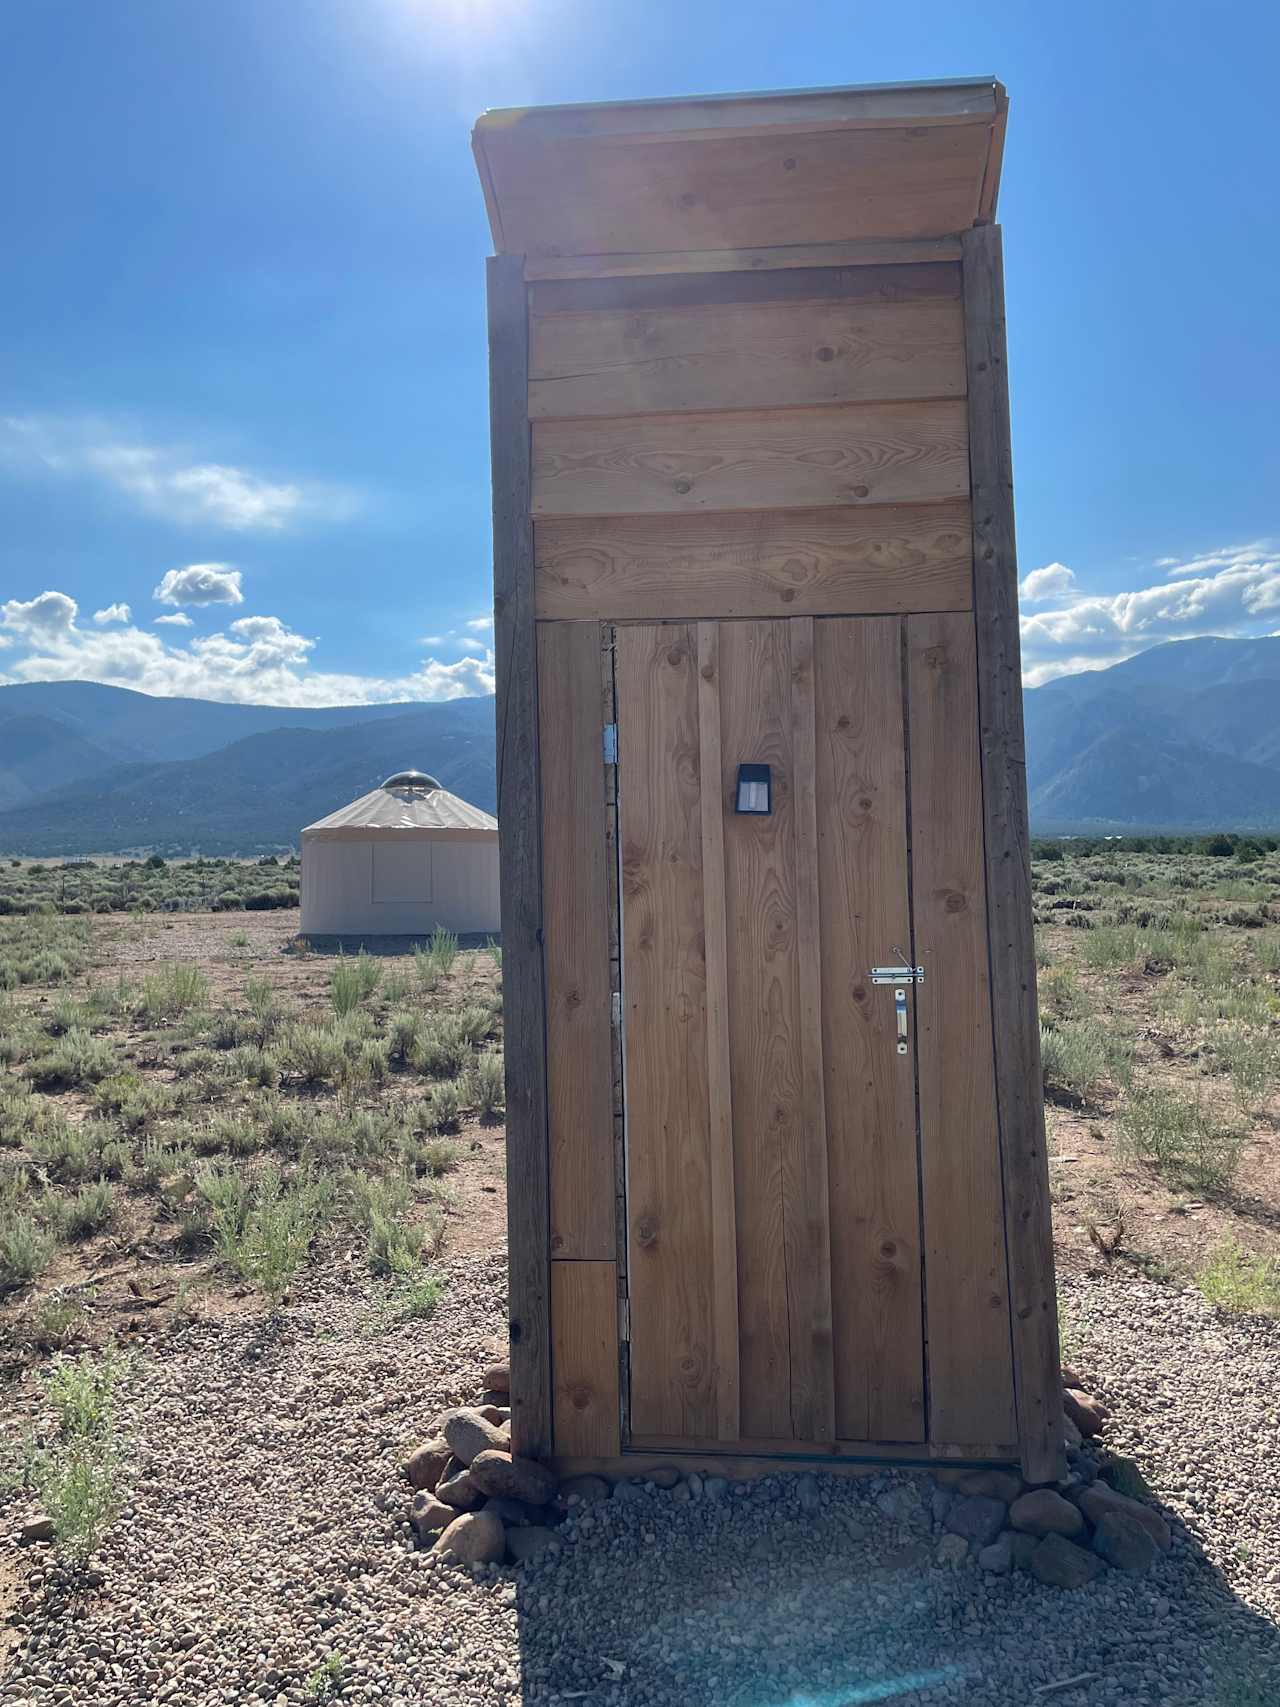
917,251
575,911
520,857
808,1227
876,453
724,1221
763,1005
966,1280
743,356
669,1192
584,1315
881,558
1028,1216
870,1088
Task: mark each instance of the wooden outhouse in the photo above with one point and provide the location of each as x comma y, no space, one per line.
777,1176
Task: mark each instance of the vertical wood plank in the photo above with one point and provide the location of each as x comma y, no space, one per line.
870,1089
808,1227
1028,1216
724,1221
584,1315
669,1193
575,931
755,712
970,1361
520,853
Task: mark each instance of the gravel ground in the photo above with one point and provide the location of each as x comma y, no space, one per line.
266,1531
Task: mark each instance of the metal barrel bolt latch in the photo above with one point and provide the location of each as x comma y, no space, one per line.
899,977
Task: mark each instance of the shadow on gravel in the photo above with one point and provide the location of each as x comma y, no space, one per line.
764,1599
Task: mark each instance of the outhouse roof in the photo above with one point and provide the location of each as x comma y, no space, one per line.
886,161
409,807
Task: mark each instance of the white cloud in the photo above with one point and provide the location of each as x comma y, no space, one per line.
45,616
256,660
112,613
178,618
479,623
432,640
200,584
167,480
1054,581
1233,591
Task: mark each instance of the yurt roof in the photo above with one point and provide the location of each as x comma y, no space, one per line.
407,801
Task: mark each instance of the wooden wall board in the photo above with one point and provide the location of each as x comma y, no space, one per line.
755,714
520,857
734,356
875,453
688,261
789,1454
764,188
669,1190
575,931
870,1089
970,1372
1028,1216
876,558
912,285
584,1317
724,1218
862,1459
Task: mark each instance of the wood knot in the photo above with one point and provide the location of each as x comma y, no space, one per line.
788,593
646,1232
866,803
708,672
842,722
955,901
789,164
675,657
825,353
888,1250
688,199
684,485
859,992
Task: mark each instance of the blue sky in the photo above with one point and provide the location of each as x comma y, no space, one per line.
244,391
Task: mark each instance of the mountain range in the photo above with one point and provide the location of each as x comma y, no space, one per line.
1185,736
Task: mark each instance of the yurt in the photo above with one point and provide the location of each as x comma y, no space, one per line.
406,859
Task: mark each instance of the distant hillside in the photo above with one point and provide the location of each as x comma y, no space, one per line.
255,795
1185,736
38,753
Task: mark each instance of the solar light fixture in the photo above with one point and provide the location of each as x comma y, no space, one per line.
755,789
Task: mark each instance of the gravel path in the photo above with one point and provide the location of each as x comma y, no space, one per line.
266,1532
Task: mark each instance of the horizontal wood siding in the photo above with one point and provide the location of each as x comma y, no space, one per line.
867,287
743,358
575,930
878,453
884,558
919,251
758,189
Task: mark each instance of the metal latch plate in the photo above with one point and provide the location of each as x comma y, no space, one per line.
897,974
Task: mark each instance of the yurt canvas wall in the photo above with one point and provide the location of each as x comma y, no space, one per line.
401,861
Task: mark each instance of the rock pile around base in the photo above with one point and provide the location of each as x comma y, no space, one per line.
476,1501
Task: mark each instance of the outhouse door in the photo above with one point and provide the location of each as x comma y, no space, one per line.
814,1233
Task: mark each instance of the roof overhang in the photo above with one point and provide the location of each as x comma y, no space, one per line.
891,161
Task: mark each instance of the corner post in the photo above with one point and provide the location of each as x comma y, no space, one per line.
1019,1084
520,857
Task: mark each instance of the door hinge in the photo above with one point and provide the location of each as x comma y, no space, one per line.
611,743
615,1009
624,1319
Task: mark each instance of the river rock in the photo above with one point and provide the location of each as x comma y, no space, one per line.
1061,1564
977,1518
1042,1512
425,1464
1098,1499
470,1432
588,1489
477,1538
457,1489
427,1514
529,1542
498,1473
1124,1543
1086,1413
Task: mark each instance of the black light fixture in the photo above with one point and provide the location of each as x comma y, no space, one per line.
755,789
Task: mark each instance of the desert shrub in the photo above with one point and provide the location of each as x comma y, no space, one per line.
264,1007
443,1107
382,1206
489,1082
425,968
418,1294
1249,1057
1060,993
344,987
473,1024
404,1035
1234,1279
269,900
78,1476
173,991
89,1211
1078,1055
440,1052
311,1053
396,987
160,1160
20,1114
1181,1138
135,1103
76,1059
255,1065
227,1030
276,1230
26,1249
